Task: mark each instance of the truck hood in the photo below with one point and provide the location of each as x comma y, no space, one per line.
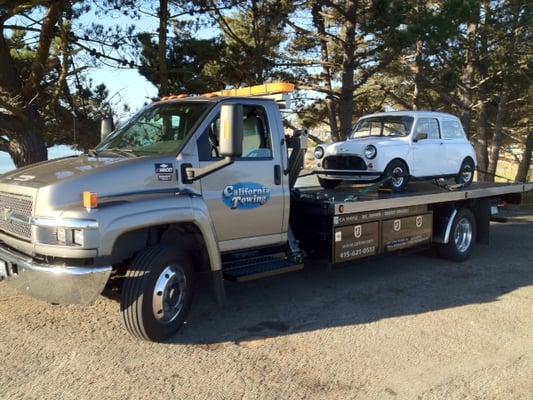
357,146
50,172
60,183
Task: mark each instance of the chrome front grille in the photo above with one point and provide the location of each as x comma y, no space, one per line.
15,215
345,162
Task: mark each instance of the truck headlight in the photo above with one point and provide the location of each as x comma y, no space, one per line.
370,152
319,152
78,237
66,232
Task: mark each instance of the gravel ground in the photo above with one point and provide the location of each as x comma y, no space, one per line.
404,327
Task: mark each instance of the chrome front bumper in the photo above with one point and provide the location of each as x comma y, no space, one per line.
52,283
349,175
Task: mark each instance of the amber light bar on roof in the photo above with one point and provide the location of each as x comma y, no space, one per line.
258,90
265,89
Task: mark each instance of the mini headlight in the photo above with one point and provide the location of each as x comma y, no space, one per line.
319,152
370,152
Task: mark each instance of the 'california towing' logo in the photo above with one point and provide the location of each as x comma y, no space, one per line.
245,195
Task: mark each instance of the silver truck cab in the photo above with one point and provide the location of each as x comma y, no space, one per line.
70,226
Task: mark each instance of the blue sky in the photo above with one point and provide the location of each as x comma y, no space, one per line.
127,85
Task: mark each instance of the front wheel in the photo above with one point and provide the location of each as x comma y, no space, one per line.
157,293
329,183
399,176
462,237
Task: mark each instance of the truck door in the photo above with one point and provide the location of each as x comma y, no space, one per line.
428,153
247,198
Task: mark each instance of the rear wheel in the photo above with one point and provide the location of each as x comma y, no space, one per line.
329,183
399,173
157,293
462,237
466,173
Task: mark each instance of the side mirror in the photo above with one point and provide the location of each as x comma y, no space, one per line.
229,141
420,136
107,126
231,130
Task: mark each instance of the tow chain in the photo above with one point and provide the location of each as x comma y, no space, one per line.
495,175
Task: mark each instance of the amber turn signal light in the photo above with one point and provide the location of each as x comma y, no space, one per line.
90,200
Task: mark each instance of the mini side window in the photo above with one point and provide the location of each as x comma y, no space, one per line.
256,143
429,126
452,129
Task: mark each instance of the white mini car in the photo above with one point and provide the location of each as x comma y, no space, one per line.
405,145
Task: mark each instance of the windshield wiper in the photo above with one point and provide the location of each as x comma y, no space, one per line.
122,152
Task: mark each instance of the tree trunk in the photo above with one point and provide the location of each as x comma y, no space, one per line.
28,148
417,69
482,147
480,144
497,135
348,71
318,21
467,77
525,163
162,48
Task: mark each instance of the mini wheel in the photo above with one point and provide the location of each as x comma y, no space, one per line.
157,293
462,237
399,173
328,183
466,173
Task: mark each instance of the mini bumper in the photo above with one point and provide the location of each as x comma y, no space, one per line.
52,283
355,175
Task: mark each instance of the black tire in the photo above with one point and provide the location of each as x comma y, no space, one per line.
466,173
395,168
457,249
139,297
329,183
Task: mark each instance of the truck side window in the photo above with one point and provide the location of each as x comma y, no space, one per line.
429,126
452,129
256,141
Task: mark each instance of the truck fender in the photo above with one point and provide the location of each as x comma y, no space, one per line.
193,211
443,227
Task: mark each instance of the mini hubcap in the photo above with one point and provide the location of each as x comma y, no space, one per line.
463,235
169,293
467,173
397,176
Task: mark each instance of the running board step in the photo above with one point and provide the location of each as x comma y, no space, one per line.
259,267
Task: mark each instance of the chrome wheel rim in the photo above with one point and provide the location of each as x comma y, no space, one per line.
463,235
397,181
169,293
467,174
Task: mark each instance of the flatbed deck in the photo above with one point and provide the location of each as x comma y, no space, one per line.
354,198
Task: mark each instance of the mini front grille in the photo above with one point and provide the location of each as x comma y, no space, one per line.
344,162
15,215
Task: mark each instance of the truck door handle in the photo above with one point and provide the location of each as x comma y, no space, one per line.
277,174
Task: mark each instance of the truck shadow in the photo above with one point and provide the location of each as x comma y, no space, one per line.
372,290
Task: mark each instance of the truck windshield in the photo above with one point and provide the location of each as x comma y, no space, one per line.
156,129
392,126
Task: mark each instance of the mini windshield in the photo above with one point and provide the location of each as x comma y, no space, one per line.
158,129
391,126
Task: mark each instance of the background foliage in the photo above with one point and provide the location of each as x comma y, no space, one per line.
350,57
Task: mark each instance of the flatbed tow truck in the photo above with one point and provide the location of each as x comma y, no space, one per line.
207,185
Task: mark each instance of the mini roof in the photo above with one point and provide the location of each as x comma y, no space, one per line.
414,114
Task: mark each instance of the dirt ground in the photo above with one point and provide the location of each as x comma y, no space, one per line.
402,327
